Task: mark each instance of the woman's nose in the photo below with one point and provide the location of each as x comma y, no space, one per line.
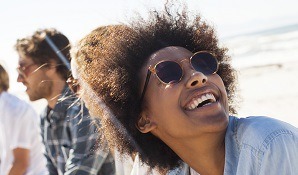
196,79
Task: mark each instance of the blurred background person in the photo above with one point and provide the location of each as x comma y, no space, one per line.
22,151
71,137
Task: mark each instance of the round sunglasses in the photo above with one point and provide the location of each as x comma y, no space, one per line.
171,72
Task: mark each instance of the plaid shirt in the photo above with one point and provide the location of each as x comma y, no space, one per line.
72,140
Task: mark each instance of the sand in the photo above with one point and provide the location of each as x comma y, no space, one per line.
270,90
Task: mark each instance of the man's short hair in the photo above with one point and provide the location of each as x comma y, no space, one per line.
41,52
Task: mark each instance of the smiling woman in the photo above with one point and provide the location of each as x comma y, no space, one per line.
165,90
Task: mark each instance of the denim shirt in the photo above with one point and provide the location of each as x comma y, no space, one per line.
260,146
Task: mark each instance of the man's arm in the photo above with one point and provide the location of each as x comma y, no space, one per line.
21,161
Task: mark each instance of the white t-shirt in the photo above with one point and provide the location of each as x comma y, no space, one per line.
126,166
19,127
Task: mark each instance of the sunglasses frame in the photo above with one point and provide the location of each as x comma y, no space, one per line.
21,72
153,70
21,69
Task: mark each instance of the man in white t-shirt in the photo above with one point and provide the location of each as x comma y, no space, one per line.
22,151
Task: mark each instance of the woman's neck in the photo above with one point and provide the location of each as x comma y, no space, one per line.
204,155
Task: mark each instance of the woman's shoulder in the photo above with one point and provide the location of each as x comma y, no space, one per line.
256,143
260,131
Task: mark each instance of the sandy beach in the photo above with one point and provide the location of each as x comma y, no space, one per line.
270,90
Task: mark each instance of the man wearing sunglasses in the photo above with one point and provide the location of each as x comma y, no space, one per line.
72,141
21,147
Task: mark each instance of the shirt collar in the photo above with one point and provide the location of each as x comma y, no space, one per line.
65,100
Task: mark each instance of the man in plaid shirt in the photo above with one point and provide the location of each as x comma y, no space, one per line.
72,139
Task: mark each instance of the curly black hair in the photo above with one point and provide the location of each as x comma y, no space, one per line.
109,61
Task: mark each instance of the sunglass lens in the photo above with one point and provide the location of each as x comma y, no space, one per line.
20,72
169,71
205,63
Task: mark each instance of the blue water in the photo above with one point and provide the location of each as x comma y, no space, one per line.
270,46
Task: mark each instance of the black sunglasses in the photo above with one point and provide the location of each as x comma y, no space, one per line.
171,72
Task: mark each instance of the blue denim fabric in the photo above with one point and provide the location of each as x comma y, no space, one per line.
259,146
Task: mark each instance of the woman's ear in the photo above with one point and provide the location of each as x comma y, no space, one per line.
145,123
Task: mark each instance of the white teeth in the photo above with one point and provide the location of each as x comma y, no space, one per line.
204,98
199,100
209,96
193,106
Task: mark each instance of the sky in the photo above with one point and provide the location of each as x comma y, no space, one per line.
75,19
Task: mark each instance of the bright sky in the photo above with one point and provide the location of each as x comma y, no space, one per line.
77,18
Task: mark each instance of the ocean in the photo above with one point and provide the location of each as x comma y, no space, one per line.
267,62
272,46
